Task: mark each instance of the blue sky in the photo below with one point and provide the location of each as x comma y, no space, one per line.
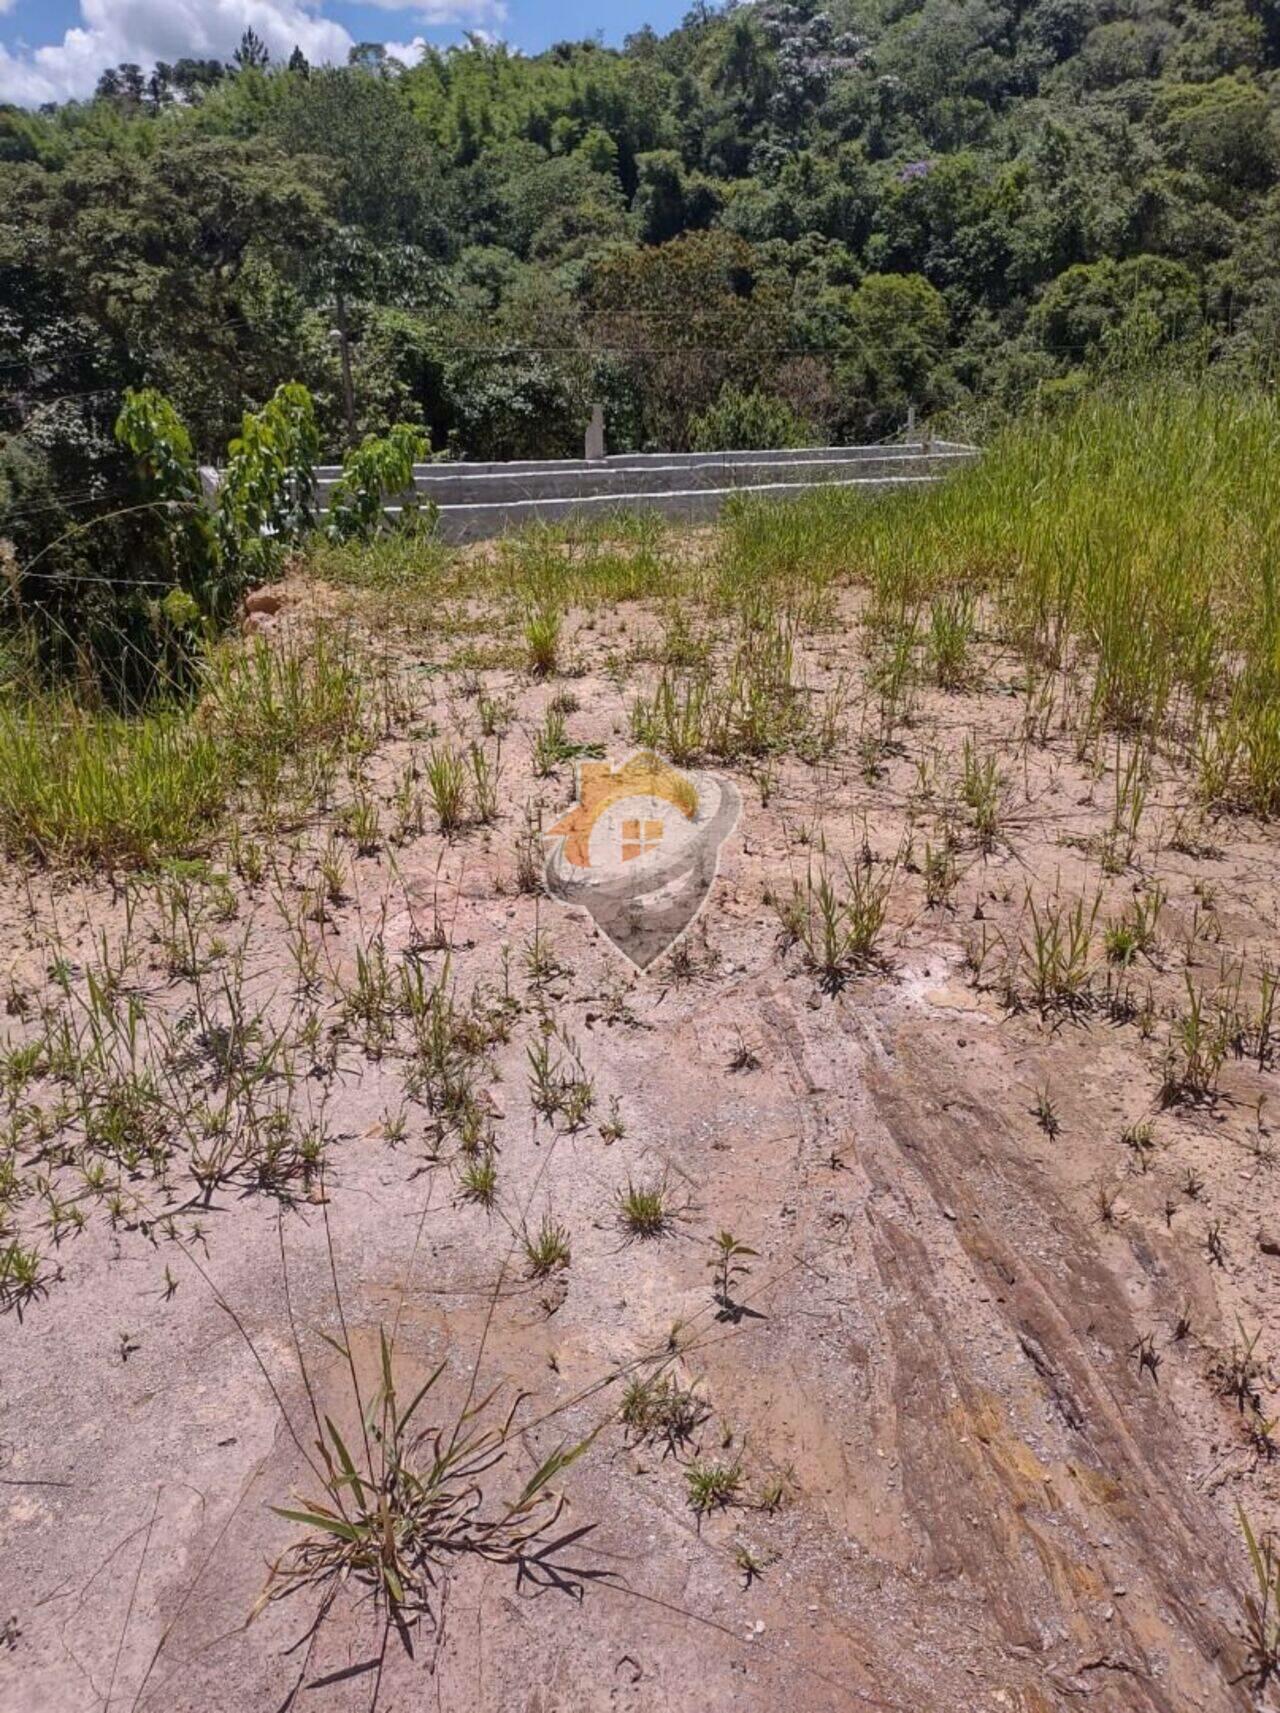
52,49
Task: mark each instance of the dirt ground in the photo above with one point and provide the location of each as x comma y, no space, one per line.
974,1384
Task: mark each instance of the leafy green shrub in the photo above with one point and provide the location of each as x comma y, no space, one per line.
121,596
740,420
89,553
267,496
377,470
152,432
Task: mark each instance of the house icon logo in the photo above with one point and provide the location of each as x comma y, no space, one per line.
640,848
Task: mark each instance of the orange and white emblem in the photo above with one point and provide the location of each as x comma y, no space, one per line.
639,849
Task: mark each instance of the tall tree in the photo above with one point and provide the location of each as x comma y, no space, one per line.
252,54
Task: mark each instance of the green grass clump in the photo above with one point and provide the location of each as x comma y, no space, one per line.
643,1209
447,787
542,628
546,1249
712,1485
101,788
658,1406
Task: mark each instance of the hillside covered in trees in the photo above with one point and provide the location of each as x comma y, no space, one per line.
959,204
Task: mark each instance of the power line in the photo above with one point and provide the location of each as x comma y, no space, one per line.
64,502
109,582
54,358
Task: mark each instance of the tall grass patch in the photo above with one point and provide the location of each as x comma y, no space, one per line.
1136,535
90,785
98,787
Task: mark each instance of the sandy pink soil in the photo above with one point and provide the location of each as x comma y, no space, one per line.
989,1502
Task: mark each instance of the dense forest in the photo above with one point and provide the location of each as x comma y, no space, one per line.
775,224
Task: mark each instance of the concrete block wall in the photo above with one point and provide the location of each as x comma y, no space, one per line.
481,500
478,501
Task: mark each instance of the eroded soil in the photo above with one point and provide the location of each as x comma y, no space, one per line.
962,1485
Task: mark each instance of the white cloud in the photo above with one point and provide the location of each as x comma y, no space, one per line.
433,13
143,31
408,53
112,32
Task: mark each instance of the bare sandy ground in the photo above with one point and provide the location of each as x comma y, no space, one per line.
979,1495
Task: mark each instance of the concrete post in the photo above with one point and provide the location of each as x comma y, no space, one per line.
594,451
340,337
911,422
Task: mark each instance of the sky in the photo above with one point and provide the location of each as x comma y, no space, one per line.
51,50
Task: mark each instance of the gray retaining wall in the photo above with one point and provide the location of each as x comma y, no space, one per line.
480,500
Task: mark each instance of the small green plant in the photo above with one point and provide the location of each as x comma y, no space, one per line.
333,874
552,745
1121,841
940,874
361,823
1140,1140
478,1178
711,1485
1134,932
982,788
750,1565
643,1209
659,1406
495,716
395,1514
613,1128
529,853
775,1490
446,777
1262,1607
542,627
558,1087
730,1263
677,719
1120,943
20,1275
407,805
1238,1371
540,961
1199,1040
546,1250
1058,956
484,784
1046,1112
840,929
951,629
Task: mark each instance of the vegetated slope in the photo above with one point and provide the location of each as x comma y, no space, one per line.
897,1256
846,208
